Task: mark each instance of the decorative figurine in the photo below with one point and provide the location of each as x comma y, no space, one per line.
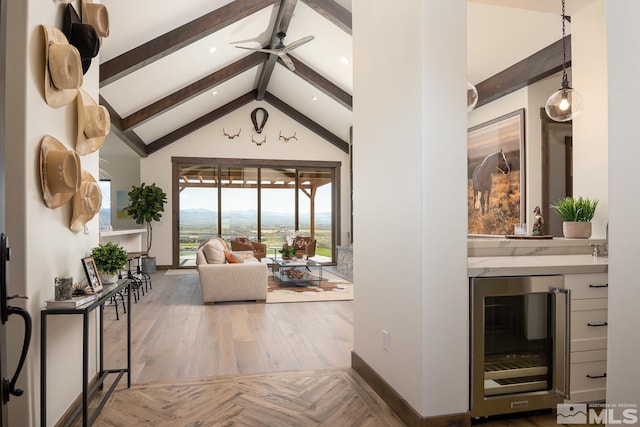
538,222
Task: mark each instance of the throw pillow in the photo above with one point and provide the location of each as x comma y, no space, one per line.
243,240
301,242
214,252
232,258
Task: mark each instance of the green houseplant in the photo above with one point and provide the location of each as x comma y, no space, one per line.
110,258
576,214
288,251
146,205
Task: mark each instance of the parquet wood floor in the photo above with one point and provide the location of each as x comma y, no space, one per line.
242,364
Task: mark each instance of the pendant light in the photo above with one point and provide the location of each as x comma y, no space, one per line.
472,97
566,103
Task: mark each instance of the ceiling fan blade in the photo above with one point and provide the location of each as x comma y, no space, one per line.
298,43
256,49
288,62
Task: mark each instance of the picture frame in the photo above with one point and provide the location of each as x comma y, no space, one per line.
496,175
91,272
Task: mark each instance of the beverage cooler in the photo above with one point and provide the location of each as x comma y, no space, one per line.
519,344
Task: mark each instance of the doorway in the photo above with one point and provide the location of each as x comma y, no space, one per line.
557,168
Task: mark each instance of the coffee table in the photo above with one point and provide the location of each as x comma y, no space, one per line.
296,272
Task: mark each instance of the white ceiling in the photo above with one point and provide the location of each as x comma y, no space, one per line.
500,33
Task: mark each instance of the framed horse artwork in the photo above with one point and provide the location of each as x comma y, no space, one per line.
496,175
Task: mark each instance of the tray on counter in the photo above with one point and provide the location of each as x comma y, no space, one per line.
544,237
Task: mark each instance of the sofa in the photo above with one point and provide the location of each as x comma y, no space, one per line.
244,244
227,275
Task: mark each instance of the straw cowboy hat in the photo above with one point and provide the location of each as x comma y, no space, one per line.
62,70
86,202
96,15
94,124
59,172
83,36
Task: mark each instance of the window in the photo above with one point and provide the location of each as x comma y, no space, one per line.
258,199
105,208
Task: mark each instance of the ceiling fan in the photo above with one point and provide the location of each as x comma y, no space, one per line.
281,50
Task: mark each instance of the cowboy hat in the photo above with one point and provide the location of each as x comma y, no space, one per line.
59,172
83,36
86,202
97,16
62,70
93,124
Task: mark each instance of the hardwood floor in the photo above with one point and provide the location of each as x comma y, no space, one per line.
247,364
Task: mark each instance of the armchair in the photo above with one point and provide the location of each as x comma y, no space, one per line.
305,245
244,244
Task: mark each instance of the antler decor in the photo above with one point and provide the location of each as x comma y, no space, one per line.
286,139
231,136
259,143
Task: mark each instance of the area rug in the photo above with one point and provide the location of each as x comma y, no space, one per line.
181,272
329,289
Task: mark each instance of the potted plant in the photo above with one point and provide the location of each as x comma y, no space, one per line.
110,258
288,251
577,215
146,205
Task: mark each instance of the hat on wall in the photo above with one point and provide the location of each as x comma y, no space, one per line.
86,202
96,15
59,172
83,36
62,70
94,124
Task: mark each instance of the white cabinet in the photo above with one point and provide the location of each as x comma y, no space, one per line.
588,335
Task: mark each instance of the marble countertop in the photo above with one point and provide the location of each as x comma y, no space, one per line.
493,266
123,232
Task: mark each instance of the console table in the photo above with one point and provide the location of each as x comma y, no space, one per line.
84,310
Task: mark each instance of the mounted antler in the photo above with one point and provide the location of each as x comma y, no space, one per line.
259,143
231,136
285,139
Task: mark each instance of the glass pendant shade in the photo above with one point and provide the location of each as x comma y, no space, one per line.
564,105
472,97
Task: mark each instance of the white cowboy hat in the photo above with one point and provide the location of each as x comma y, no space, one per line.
63,68
96,15
59,172
86,202
94,124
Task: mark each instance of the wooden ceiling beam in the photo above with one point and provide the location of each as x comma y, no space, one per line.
321,83
178,38
128,137
538,66
331,10
307,122
200,122
185,94
285,13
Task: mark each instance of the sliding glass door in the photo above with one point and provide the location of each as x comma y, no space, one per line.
262,200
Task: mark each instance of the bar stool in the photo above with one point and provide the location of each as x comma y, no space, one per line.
114,301
136,283
144,276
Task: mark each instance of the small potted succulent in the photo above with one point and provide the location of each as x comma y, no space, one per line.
110,258
576,215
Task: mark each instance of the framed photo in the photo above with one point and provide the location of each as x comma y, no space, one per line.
496,175
92,274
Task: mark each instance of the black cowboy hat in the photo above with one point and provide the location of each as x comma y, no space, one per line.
83,36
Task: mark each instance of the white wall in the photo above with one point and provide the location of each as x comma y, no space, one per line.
42,245
623,369
410,199
210,142
590,139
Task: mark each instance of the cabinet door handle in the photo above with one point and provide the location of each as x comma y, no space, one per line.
597,324
597,376
606,285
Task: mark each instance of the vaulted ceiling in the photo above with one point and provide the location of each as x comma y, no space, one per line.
169,68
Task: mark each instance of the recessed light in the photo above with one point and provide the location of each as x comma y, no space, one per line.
344,60
212,49
214,93
314,98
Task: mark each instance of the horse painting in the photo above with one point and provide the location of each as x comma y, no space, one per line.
482,178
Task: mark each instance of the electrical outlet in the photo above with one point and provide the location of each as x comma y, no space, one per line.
86,229
385,340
